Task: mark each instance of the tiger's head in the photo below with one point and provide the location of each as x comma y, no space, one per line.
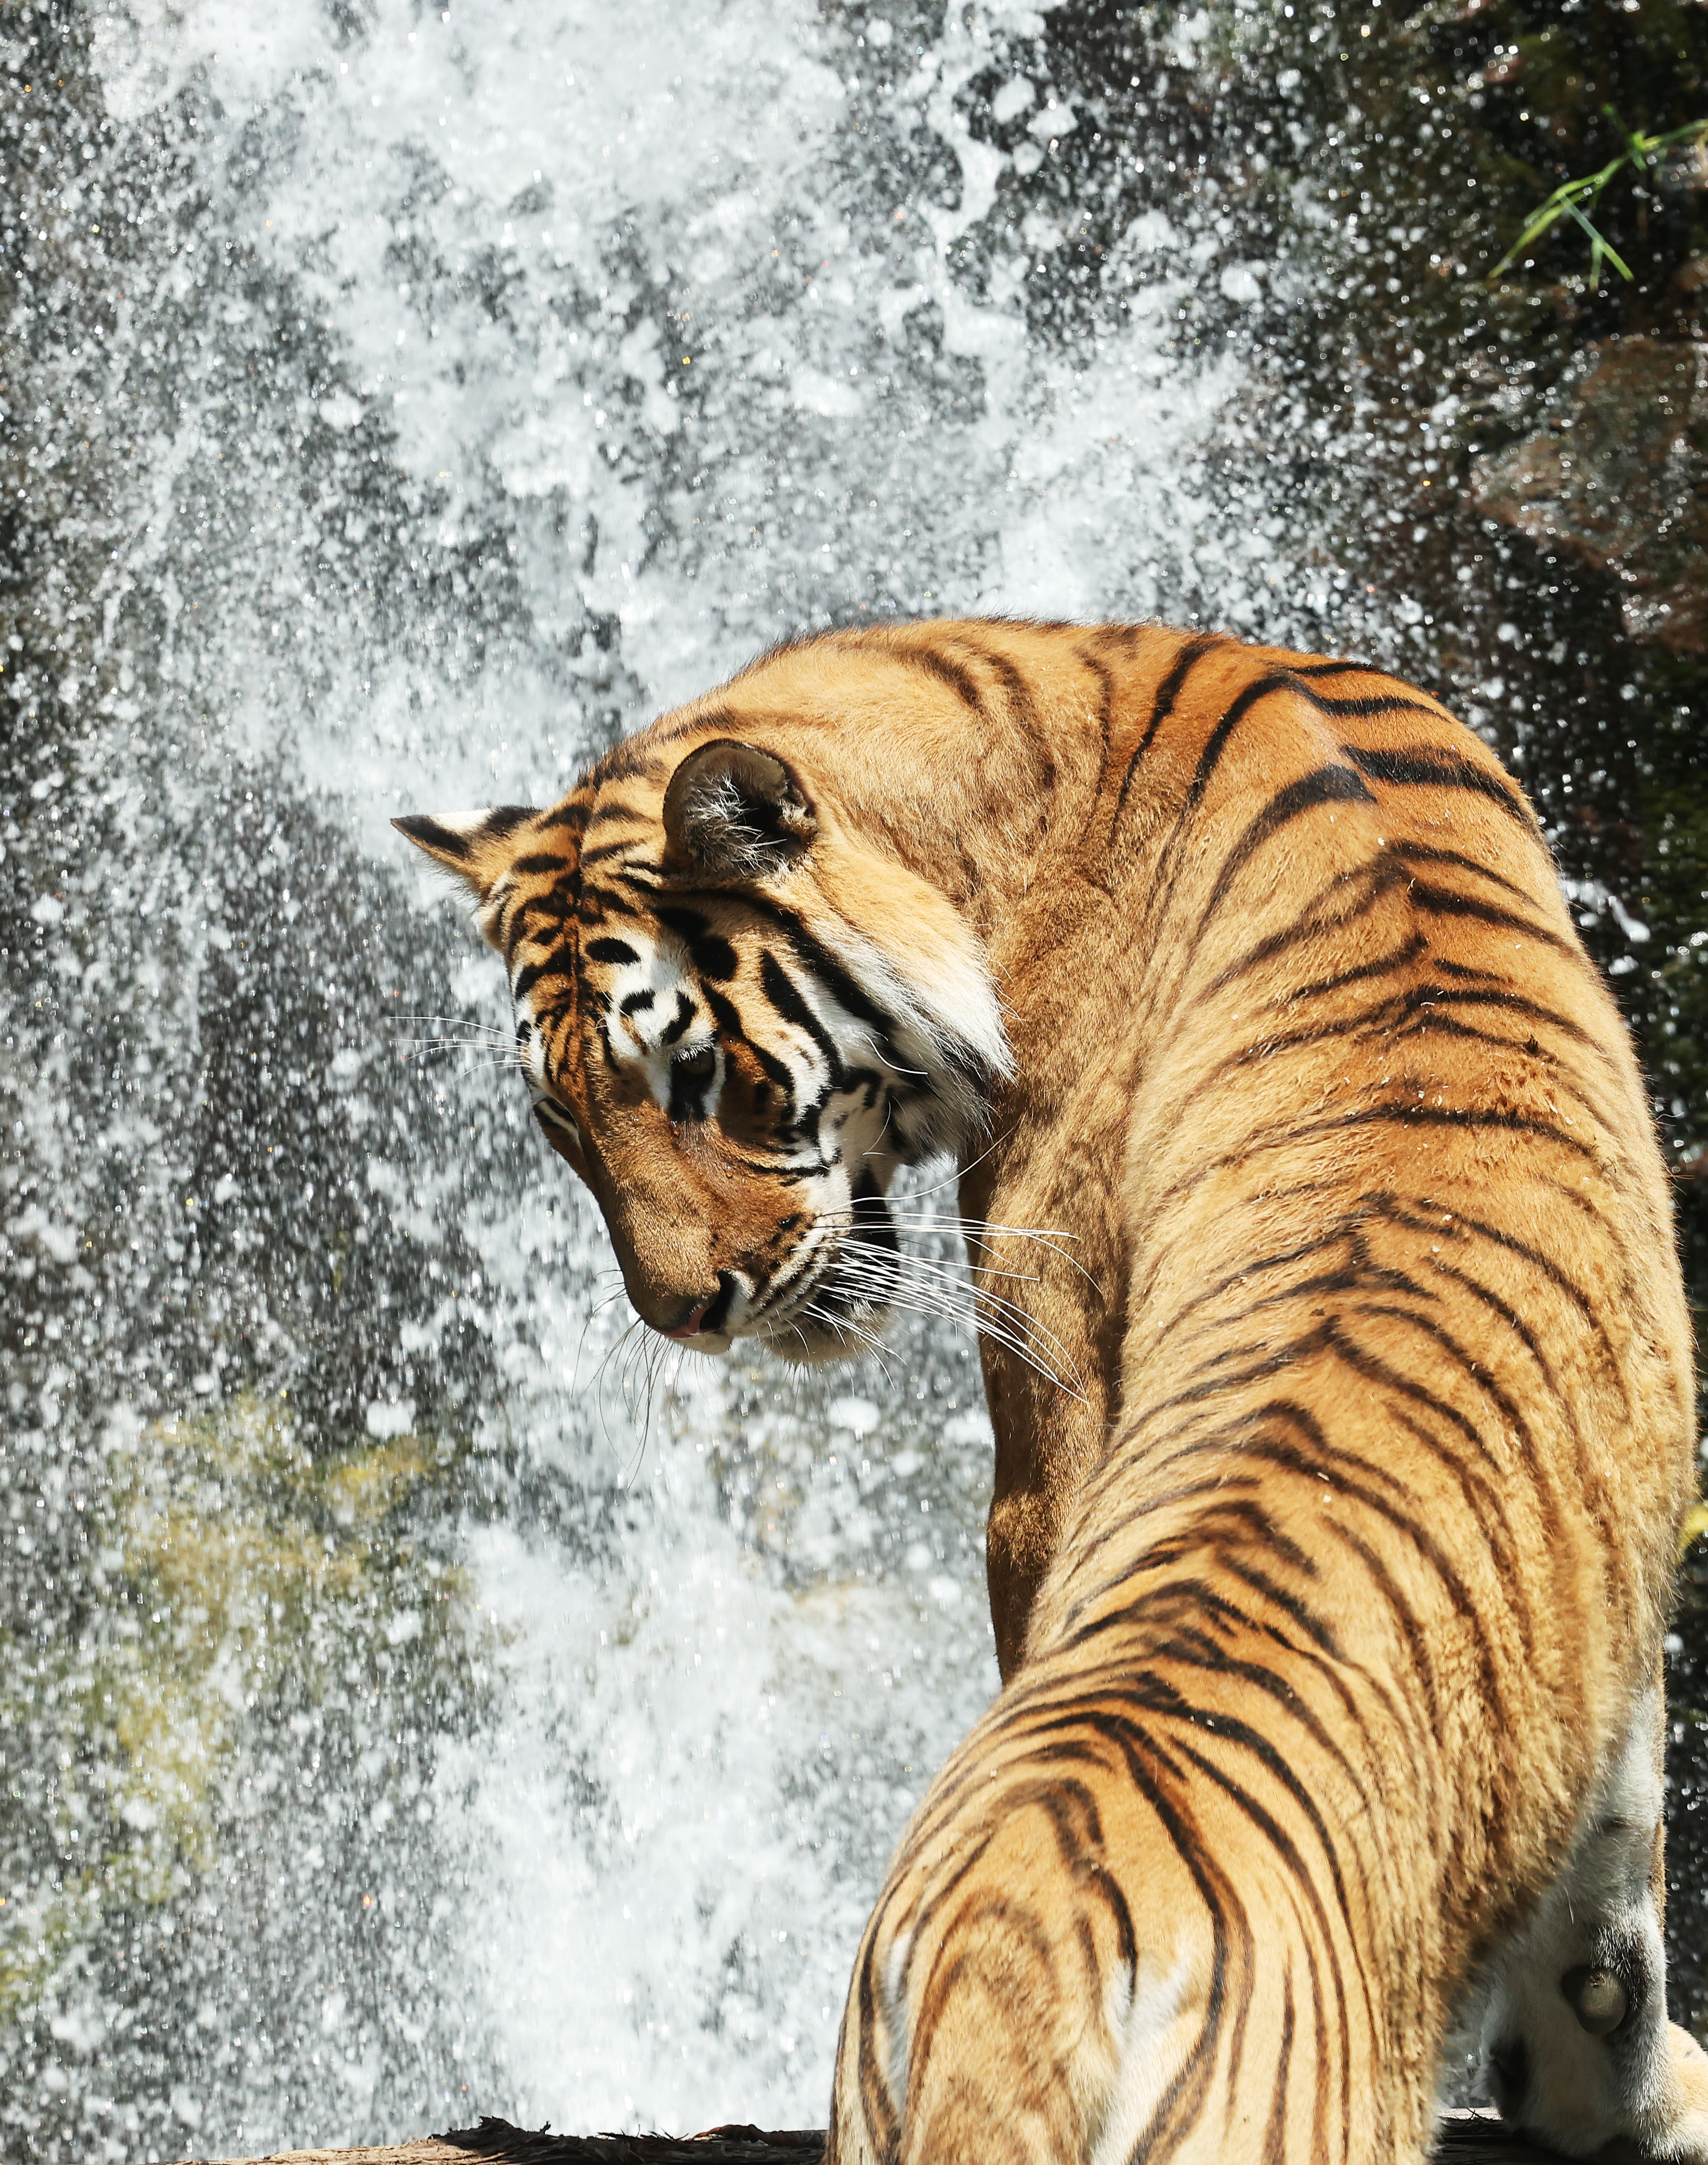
737,1012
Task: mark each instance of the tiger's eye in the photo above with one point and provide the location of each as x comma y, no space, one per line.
697,1066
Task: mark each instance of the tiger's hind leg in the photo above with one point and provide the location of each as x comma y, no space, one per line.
1577,2048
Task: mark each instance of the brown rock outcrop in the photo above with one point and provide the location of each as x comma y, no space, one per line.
1618,477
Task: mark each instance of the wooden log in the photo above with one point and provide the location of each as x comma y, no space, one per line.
1463,2138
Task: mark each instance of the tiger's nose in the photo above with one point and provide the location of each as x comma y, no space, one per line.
709,1313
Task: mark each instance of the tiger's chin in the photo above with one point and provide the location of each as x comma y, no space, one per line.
844,1323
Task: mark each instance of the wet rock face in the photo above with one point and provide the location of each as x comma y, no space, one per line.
1618,477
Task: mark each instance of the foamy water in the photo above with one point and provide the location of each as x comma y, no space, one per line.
534,368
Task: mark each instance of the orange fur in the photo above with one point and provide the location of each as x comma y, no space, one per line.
1328,1600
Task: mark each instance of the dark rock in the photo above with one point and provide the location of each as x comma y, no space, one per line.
1618,477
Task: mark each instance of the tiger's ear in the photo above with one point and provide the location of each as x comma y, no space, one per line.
736,812
474,845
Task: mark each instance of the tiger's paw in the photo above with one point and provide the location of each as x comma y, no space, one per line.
1603,2083
1676,2129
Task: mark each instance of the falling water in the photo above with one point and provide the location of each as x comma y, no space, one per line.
419,1701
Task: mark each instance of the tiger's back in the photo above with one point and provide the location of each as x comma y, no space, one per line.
1358,1594
1329,1601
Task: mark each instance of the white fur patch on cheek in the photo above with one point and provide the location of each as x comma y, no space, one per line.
952,992
855,1133
530,1045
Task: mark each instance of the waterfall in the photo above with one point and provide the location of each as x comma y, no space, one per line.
421,1699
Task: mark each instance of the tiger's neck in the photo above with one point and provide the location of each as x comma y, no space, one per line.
1042,822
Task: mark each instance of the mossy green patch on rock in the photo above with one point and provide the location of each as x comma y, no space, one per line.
248,1581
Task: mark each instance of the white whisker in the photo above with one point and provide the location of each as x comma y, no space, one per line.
596,1309
598,1379
904,1282
975,1232
842,1324
958,1172
942,1275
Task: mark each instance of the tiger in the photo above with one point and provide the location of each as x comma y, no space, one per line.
1329,1553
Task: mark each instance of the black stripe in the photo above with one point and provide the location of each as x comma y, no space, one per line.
553,1115
1373,763
1105,702
1420,764
1447,1116
1449,901
1550,1269
504,818
791,1003
1471,970
1396,958
710,953
1337,1236
836,981
603,814
1422,853
1240,1733
1198,1650
959,680
727,1018
1402,1520
623,762
554,966
1326,785
1374,1370
1183,2102
1161,706
1513,1320
1275,2134
1386,703
685,1011
535,918
1491,996
1021,711
1480,1376
1324,1337
1366,1275
1423,767
1336,669
597,901
1217,743
1409,1013
1485,1501
1428,1024
882,2124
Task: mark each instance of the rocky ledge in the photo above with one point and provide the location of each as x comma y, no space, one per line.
1617,476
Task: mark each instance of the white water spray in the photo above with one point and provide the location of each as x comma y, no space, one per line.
590,351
